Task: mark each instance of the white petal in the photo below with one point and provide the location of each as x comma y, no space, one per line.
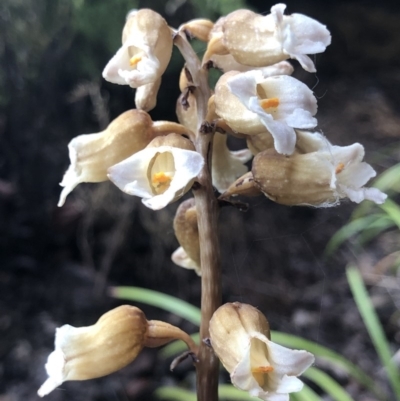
284,136
304,35
119,62
74,175
287,361
146,71
55,370
181,258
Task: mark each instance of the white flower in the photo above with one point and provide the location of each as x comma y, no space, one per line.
92,154
277,104
145,53
258,41
319,175
159,175
83,353
350,174
239,336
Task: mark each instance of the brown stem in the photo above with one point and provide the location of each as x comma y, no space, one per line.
207,207
207,211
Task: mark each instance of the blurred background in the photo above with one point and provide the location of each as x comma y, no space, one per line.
57,263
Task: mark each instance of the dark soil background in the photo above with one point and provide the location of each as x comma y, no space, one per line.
57,263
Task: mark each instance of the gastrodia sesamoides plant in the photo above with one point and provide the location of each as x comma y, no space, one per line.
274,116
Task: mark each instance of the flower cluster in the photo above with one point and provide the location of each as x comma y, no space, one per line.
257,100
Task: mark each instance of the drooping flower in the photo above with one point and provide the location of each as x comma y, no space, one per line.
258,41
159,174
92,154
83,353
251,104
240,337
145,53
319,174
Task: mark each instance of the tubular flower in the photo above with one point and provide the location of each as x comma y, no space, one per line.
259,41
145,53
319,178
240,337
161,173
83,353
92,154
252,104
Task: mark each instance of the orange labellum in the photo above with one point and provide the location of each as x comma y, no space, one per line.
262,369
161,179
134,60
269,103
339,168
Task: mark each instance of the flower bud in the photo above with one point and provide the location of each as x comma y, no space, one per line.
88,352
320,178
187,233
92,154
199,28
244,186
145,53
161,173
240,337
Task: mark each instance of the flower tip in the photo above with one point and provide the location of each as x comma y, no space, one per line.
47,387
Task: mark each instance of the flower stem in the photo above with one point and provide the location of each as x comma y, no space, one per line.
207,217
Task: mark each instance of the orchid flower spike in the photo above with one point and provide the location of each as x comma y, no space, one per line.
161,173
240,337
145,53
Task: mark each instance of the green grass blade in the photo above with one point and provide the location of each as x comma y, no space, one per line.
375,228
175,394
389,179
160,300
329,356
307,394
373,326
393,211
348,230
228,392
329,385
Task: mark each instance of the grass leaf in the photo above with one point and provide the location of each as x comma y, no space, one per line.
329,385
373,326
160,300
